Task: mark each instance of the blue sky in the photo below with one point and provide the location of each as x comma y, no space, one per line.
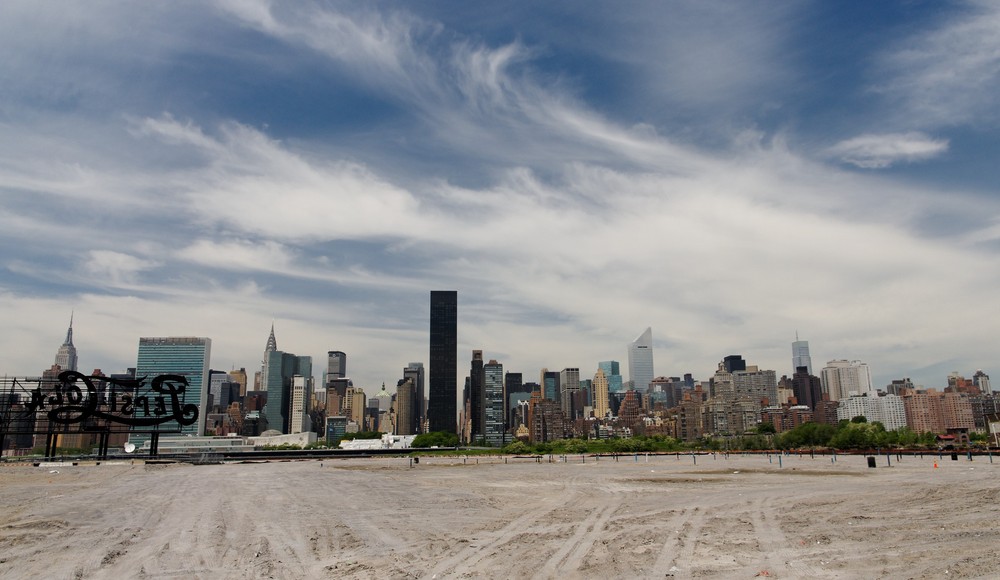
727,173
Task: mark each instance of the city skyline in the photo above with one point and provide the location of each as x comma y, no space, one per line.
577,172
444,302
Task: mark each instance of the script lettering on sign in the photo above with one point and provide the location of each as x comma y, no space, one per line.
122,401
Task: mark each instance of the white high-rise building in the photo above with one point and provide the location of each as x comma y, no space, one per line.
842,379
982,380
298,416
888,410
640,360
800,355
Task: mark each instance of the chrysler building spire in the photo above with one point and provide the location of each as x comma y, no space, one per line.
272,344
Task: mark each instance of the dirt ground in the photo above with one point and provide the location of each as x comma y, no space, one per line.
661,517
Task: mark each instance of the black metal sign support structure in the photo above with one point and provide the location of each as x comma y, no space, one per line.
78,404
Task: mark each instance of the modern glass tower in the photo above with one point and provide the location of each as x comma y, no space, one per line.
443,366
185,356
613,373
640,360
800,355
494,423
281,368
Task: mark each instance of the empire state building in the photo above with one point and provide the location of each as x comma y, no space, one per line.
66,357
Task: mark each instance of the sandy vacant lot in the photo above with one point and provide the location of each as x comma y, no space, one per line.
739,517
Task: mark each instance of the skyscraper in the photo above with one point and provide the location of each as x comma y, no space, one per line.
756,385
569,384
185,356
405,407
733,363
476,403
298,416
66,356
640,360
550,385
800,355
612,371
494,424
842,378
600,385
336,365
808,389
272,346
442,407
281,367
415,372
277,372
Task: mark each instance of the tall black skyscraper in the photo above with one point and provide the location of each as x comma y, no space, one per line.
733,363
441,408
477,411
808,389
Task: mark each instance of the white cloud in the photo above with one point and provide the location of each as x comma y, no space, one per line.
116,267
573,234
880,151
950,75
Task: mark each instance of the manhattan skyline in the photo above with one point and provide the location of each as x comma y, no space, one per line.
576,171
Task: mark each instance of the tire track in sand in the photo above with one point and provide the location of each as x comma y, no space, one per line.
679,546
569,557
466,559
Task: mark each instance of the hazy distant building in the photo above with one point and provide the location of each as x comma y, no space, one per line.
982,381
612,370
240,376
721,384
442,407
733,363
569,384
640,360
405,407
600,386
842,378
336,365
756,385
630,411
494,424
277,372
546,420
937,412
66,355
185,356
666,391
800,355
550,385
271,346
807,388
899,386
336,428
477,412
298,415
415,372
888,410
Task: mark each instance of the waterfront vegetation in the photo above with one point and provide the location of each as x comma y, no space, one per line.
856,434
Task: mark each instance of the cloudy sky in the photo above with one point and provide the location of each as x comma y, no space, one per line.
726,173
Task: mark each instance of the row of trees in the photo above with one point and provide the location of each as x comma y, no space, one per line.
854,434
